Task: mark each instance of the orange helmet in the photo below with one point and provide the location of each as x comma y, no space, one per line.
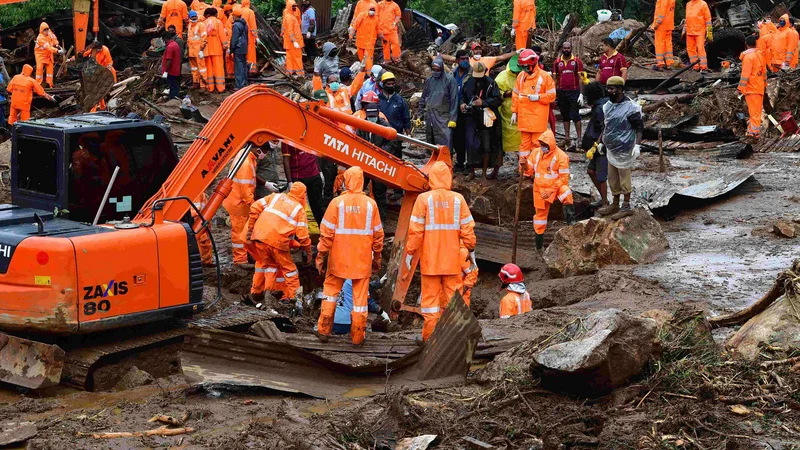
370,97
528,57
510,273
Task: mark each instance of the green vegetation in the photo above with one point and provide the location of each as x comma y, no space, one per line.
14,14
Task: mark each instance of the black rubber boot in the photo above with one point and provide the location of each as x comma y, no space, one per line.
569,214
539,241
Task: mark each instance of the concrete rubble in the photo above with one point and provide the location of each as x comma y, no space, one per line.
592,244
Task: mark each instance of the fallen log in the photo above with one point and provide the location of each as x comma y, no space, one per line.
162,431
775,292
166,420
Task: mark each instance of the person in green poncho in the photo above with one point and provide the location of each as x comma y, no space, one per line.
506,81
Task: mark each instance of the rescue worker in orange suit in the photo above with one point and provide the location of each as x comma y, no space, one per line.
549,167
203,241
698,30
351,239
46,47
663,24
517,300
469,273
250,18
523,22
293,41
388,30
198,7
102,55
535,90
22,87
794,41
752,84
175,13
365,30
217,4
197,43
782,53
275,221
228,19
440,224
238,206
213,52
766,33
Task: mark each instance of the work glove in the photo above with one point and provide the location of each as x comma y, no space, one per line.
533,97
709,34
308,35
785,66
385,317
320,262
61,51
376,264
581,102
590,153
51,98
513,32
272,187
407,272
451,124
200,54
547,194
296,45
473,264
356,67
164,75
258,40
601,149
637,150
513,118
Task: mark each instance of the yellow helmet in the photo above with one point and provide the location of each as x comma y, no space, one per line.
387,76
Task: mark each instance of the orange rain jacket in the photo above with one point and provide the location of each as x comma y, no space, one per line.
698,18
366,29
665,15
782,52
524,17
244,187
532,116
440,223
174,12
250,18
22,87
277,219
197,38
754,74
215,36
351,230
514,303
46,43
199,7
362,7
217,4
388,13
469,273
103,58
292,32
551,169
766,33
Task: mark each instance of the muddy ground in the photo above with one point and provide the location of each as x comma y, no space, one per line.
720,259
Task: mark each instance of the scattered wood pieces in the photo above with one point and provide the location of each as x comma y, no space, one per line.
740,410
756,308
780,362
166,420
162,431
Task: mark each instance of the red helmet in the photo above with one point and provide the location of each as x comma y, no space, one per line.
370,97
528,57
510,273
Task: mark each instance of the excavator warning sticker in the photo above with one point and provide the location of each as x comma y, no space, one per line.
41,280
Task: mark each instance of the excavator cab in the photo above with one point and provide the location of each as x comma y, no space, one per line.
65,164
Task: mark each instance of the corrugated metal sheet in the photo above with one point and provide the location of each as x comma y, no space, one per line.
324,14
213,357
705,190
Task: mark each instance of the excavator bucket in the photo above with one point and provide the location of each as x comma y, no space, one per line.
29,363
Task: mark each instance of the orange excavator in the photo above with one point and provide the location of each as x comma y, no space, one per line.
80,19
61,279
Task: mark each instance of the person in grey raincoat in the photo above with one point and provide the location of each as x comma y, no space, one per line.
439,105
327,64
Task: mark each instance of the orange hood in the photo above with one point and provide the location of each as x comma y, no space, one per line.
216,3
440,176
354,180
298,192
785,18
237,11
27,70
43,26
245,3
548,138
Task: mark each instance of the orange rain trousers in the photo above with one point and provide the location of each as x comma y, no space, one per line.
215,73
755,103
564,195
664,54
391,47
358,317
237,244
273,261
199,73
696,46
24,114
369,52
436,293
528,143
294,61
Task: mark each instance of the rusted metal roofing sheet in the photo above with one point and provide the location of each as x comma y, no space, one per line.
213,357
705,190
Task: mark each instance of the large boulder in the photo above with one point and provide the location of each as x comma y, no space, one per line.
601,352
591,244
778,325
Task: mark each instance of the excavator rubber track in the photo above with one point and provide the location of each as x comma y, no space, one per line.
81,362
